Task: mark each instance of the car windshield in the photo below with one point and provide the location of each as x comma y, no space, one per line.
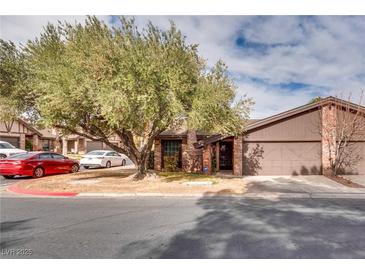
6,145
21,156
95,153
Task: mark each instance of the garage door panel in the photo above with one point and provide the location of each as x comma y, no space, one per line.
279,158
12,140
93,145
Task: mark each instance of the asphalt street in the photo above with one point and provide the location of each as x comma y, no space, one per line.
181,228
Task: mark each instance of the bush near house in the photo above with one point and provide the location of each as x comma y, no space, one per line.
170,163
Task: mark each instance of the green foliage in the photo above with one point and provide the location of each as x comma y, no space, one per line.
99,81
170,163
315,100
28,145
15,97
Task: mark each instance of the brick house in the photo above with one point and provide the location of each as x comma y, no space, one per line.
289,143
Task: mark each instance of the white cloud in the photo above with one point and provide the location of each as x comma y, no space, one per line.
325,53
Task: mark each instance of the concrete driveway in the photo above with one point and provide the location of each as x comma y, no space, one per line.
297,184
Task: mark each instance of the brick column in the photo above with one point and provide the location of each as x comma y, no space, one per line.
207,159
35,143
157,155
82,146
237,156
64,146
217,151
329,124
189,153
56,145
22,141
77,146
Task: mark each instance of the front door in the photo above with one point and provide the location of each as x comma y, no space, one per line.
225,155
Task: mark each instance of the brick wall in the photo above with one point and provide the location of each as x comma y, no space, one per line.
191,157
22,141
238,156
328,137
207,159
157,155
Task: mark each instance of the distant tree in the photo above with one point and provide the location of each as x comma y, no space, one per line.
15,95
98,81
315,100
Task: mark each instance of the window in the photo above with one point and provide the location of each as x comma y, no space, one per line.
110,154
6,145
21,156
44,156
172,149
58,156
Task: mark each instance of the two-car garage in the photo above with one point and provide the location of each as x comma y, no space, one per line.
282,158
290,143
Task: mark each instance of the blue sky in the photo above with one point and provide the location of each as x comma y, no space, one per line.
280,61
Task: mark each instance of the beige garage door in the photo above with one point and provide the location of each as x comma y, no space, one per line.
357,166
12,140
93,145
282,158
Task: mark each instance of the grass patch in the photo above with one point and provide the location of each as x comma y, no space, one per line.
184,176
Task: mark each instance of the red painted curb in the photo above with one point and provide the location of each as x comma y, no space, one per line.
16,189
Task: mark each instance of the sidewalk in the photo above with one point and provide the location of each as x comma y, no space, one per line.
16,191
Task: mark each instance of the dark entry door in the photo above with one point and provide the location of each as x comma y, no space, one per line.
225,155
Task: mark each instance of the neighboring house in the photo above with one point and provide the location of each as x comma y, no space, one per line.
24,136
289,143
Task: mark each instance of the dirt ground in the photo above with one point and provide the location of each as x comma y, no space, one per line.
119,180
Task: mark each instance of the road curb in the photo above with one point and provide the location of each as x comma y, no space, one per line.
248,195
15,188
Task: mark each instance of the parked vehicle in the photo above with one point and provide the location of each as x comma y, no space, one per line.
37,164
7,150
103,158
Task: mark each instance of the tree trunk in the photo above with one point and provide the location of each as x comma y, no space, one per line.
142,165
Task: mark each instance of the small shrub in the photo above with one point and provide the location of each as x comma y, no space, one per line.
170,163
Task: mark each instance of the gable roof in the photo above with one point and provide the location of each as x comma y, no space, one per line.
28,126
304,108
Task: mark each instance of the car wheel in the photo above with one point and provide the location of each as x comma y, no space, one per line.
86,167
2,156
75,168
108,164
123,162
9,176
38,172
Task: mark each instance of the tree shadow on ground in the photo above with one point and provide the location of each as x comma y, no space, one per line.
11,232
250,228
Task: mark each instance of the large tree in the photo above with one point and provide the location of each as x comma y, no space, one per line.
97,81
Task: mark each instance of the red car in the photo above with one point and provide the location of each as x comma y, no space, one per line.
37,164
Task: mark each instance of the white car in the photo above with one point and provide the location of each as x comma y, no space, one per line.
7,150
103,158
